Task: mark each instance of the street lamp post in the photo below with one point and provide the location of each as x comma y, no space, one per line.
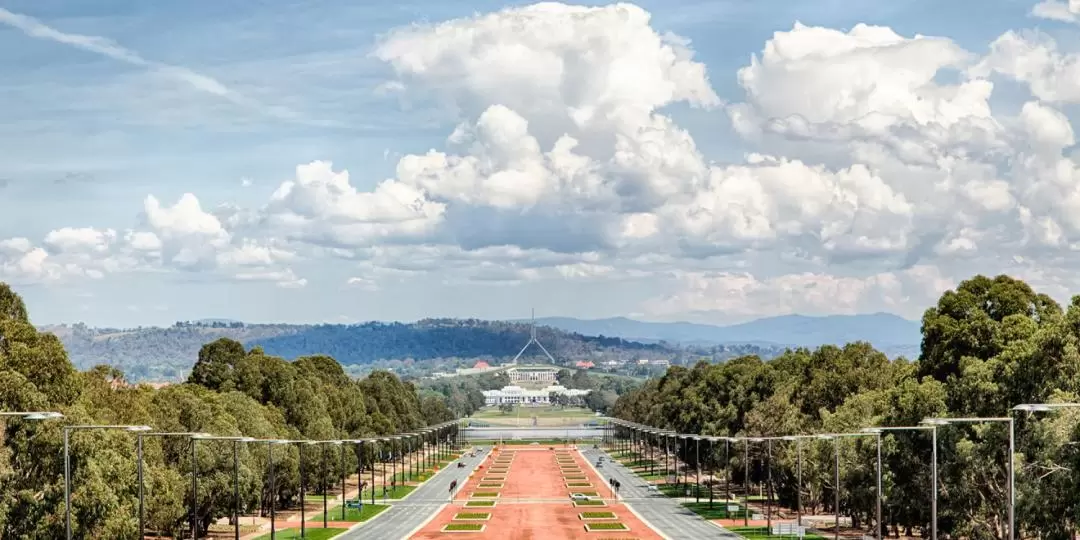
697,465
236,476
879,431
746,482
798,472
1012,451
835,437
67,463
139,469
273,489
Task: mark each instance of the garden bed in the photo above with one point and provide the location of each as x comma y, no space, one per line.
579,484
476,516
590,503
490,485
480,504
606,526
485,494
464,527
590,516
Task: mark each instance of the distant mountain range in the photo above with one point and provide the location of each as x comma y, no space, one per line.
153,353
168,353
890,333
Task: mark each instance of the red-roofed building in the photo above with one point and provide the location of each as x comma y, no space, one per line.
585,364
482,365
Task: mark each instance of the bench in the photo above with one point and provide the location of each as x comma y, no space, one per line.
354,504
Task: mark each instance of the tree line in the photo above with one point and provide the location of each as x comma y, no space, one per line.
167,353
231,391
988,345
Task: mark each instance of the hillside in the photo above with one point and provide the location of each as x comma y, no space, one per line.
168,353
889,333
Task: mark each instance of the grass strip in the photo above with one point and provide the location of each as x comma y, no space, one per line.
590,503
474,504
365,513
312,534
609,526
470,527
473,516
756,533
597,515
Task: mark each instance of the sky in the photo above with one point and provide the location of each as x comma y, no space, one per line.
711,161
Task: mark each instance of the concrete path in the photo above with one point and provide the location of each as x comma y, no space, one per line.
409,514
669,518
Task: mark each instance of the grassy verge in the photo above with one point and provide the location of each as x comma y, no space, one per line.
312,534
480,504
396,493
352,514
718,510
755,533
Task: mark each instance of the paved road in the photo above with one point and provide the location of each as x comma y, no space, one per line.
671,519
414,510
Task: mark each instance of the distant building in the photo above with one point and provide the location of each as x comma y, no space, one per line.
584,364
533,374
479,367
516,395
661,362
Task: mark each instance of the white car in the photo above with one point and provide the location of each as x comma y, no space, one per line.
579,497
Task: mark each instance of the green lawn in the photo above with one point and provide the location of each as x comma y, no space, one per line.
755,533
682,490
718,510
539,412
352,514
313,533
396,492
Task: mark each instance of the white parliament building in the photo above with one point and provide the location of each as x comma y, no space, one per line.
517,395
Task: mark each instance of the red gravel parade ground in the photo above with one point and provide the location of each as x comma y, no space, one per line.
534,500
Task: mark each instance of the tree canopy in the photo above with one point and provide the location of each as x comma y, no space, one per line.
987,346
231,391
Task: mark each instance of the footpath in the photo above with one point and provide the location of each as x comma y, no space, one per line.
313,506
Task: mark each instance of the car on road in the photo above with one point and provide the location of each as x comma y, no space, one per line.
579,497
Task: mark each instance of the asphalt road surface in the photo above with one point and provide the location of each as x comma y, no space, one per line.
422,504
669,518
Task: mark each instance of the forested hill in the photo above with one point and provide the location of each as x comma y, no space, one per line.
168,353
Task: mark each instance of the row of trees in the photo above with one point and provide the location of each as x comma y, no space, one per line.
987,346
231,391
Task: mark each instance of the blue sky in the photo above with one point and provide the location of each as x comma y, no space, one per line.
105,103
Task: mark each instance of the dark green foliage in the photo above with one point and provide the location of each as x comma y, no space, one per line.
232,391
987,346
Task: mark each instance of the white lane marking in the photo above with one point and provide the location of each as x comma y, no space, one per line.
632,511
